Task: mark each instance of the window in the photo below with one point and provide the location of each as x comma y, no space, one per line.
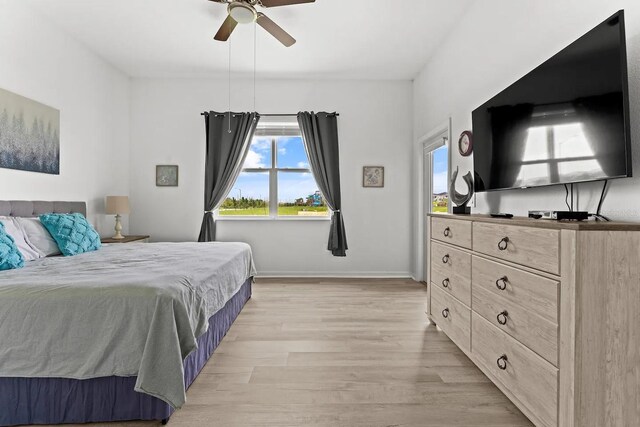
276,180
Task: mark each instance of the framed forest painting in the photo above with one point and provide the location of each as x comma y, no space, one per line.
29,135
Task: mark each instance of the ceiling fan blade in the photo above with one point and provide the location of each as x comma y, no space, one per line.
275,30
276,3
226,29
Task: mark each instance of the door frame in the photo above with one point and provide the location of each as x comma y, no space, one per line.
428,141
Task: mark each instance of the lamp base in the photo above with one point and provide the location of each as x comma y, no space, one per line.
118,228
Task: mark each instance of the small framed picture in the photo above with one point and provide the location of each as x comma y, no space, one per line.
373,176
166,175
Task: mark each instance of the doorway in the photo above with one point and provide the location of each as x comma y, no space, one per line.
437,162
435,166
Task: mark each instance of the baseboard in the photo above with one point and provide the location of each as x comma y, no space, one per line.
337,274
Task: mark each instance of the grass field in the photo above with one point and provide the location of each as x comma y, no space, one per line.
245,212
282,211
439,208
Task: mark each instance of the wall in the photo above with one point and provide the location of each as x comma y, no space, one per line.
41,62
375,128
495,43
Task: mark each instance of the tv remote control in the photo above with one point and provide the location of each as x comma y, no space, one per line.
502,215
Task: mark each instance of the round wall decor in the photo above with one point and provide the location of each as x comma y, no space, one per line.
465,143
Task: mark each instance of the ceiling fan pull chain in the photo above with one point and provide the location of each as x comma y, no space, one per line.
255,42
229,86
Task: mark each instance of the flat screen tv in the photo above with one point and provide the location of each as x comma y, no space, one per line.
567,121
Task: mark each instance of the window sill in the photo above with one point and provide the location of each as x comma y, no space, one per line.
284,219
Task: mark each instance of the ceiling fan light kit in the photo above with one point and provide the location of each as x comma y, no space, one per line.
244,12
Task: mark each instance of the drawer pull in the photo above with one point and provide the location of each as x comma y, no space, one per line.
502,317
501,283
502,362
445,259
445,313
447,232
502,244
445,283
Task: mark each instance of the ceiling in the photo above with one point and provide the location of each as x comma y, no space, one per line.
346,39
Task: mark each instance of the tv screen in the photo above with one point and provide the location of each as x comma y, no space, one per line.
566,121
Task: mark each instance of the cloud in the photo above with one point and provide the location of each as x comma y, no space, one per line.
261,144
303,165
254,160
282,151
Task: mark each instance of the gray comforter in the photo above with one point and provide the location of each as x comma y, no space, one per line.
125,310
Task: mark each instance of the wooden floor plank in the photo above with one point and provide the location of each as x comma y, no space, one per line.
340,352
348,415
360,374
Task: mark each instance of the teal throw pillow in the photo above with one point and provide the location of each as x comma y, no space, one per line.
10,256
72,232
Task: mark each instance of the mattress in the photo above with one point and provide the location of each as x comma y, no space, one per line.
105,399
124,311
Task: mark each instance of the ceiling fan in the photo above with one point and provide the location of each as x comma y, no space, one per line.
244,12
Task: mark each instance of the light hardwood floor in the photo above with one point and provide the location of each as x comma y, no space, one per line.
340,352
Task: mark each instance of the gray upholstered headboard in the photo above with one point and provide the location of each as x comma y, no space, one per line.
26,208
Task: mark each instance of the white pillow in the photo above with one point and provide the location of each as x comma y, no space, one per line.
37,236
28,252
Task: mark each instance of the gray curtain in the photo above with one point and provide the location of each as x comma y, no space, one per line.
228,140
320,135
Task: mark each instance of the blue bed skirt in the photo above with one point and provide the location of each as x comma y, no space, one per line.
61,400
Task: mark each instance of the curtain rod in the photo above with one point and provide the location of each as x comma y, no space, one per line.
269,115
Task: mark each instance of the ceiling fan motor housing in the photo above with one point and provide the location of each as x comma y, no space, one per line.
242,13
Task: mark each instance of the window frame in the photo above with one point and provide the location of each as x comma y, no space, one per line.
273,183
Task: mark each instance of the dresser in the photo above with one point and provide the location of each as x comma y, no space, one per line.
549,311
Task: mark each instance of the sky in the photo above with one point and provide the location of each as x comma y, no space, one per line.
440,166
291,185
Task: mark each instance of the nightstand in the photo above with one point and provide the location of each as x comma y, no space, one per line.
127,239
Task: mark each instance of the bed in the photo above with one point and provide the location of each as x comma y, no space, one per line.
113,335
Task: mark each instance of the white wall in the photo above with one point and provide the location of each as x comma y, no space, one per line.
495,43
375,128
41,62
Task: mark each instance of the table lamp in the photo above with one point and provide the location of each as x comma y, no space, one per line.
117,205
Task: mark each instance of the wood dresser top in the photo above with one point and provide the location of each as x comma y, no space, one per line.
545,223
126,239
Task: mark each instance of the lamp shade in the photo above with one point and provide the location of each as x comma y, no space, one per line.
117,205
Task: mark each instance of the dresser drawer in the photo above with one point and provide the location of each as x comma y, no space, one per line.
454,231
531,380
537,248
533,331
535,293
454,275
453,317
